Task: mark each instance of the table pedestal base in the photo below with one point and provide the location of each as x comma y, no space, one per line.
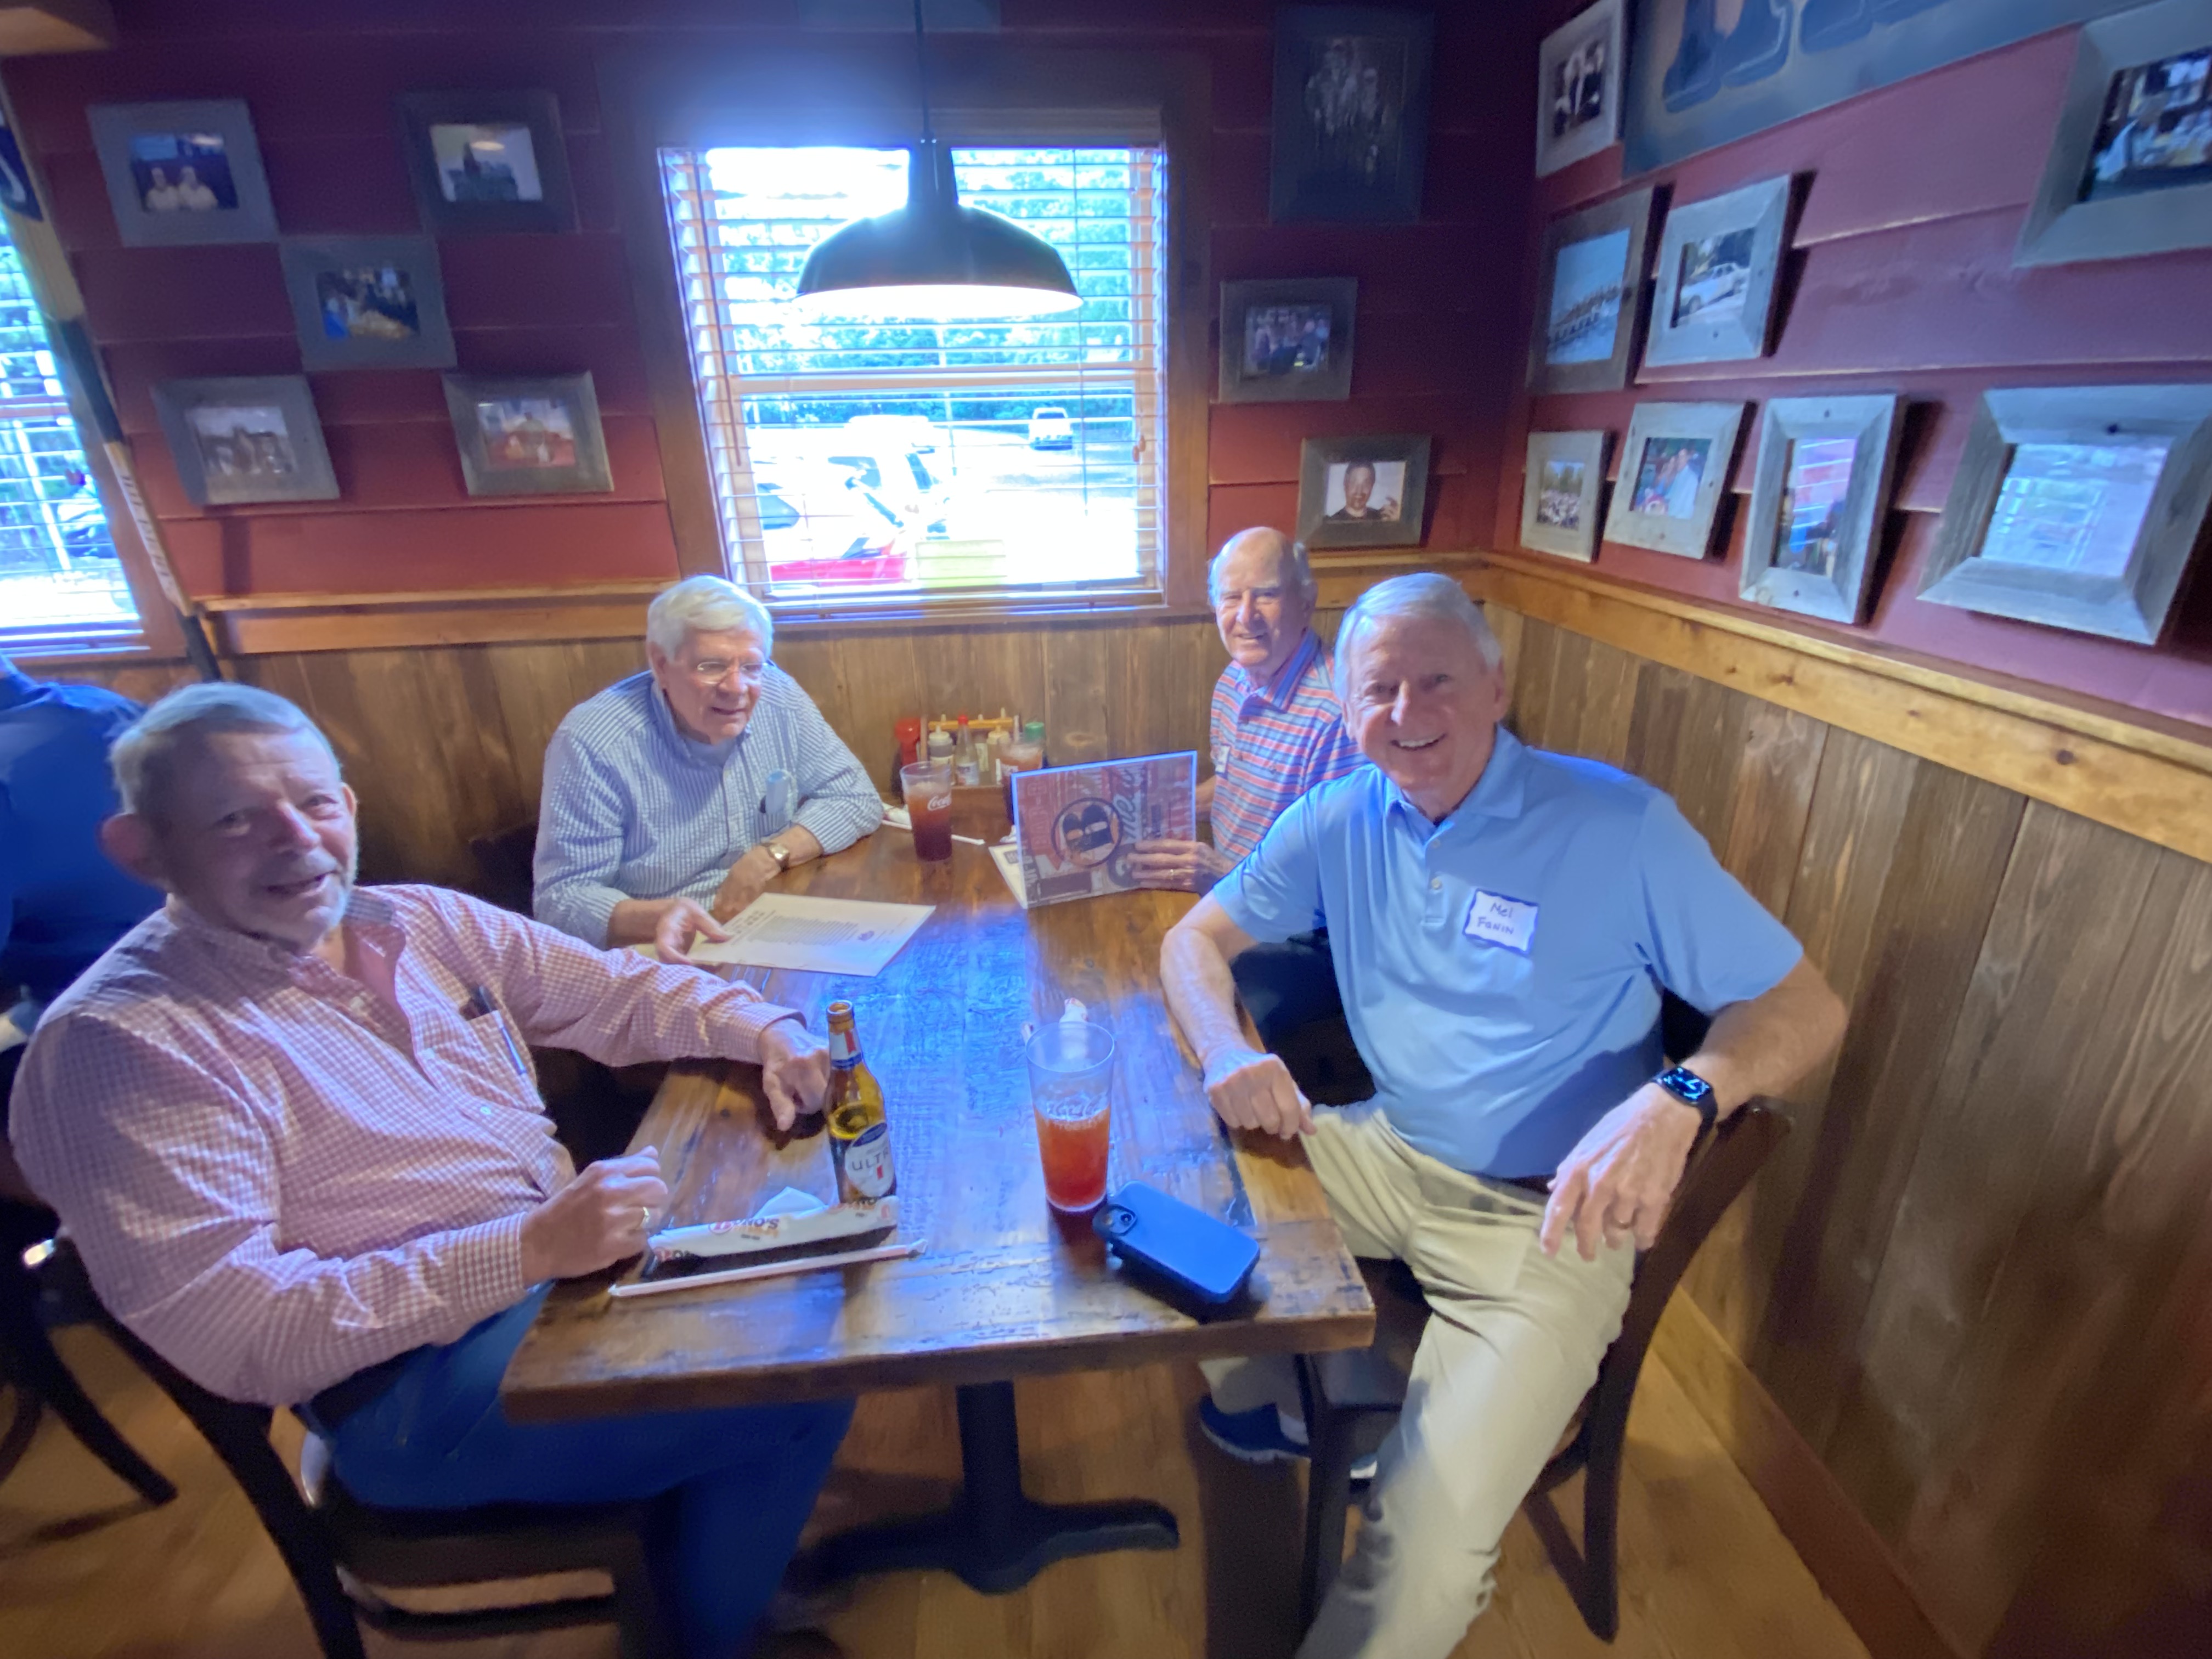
994,1537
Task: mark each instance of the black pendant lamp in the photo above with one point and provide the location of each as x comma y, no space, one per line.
933,259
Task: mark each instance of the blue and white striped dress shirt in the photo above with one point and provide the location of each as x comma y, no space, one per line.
633,809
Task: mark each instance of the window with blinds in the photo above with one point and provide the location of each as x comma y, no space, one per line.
61,583
858,465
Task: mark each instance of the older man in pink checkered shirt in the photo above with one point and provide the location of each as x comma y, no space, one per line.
292,1128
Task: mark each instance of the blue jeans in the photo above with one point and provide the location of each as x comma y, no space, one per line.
730,1489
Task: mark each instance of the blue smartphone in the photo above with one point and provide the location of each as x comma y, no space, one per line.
1185,1250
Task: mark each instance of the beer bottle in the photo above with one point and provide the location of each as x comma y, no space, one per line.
860,1135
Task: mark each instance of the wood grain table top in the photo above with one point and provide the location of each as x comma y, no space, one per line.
1005,1286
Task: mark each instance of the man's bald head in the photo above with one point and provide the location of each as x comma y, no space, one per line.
1263,599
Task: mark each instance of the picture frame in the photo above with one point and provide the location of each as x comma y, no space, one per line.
239,441
1337,509
2076,507
1350,133
1561,492
487,160
1288,340
183,173
1673,472
1819,491
2129,170
531,434
1579,87
1712,300
1590,297
369,302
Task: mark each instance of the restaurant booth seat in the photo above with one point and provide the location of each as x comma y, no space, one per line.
341,1551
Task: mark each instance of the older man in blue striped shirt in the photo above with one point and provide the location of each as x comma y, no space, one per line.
695,783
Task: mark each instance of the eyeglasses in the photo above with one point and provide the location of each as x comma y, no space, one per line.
715,671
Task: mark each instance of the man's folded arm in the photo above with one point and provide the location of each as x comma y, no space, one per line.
579,840
837,803
170,1194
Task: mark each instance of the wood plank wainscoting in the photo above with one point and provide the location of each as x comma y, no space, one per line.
1958,1334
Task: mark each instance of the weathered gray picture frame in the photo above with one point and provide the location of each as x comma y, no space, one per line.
1320,532
1872,424
253,217
307,258
1600,26
1331,383
487,475
2131,605
1631,214
1689,538
1584,453
420,112
1757,212
305,476
2061,227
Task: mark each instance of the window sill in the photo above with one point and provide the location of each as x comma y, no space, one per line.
46,650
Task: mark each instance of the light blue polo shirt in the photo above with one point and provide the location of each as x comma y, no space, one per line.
1501,970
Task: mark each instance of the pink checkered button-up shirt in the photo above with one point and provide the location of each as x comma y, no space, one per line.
278,1175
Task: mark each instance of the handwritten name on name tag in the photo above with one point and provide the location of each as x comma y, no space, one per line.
1497,920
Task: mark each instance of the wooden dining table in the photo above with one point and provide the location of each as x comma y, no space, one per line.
1004,1286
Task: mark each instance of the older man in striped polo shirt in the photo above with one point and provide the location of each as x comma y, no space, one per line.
697,782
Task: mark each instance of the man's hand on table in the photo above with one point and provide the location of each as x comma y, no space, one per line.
1192,865
1614,1188
684,922
595,1220
794,1070
1249,1089
749,878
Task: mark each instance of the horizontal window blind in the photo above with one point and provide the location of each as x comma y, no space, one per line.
873,464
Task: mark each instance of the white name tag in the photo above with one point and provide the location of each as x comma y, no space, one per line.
1497,920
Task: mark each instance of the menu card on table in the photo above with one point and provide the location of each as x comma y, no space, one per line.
819,935
1076,826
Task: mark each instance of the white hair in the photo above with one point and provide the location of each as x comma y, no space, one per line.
1295,567
1425,595
150,754
705,604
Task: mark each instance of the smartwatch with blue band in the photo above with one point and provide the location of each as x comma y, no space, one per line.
1694,1091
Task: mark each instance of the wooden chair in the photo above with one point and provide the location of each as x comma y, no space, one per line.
335,1546
1352,1399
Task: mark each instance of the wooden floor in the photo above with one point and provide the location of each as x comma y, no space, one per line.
85,1573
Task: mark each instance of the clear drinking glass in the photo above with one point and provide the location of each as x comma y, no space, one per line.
928,791
1070,1077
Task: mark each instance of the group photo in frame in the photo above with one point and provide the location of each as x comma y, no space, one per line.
1590,297
1288,340
1561,494
1350,138
2076,507
1579,89
1362,492
536,435
1674,473
2130,165
369,302
487,160
1713,299
1819,490
239,441
183,173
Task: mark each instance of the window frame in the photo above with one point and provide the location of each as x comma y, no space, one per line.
983,94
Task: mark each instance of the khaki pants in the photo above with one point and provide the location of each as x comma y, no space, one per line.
1514,1344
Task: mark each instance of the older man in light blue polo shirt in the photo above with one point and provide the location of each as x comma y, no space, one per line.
1503,920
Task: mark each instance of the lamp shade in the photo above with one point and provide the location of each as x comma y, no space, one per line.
934,259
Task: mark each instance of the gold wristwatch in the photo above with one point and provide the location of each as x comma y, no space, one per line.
781,853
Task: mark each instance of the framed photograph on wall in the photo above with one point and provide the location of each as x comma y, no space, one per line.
1589,294
1579,89
369,302
1713,299
1362,492
1673,471
1287,340
181,174
239,441
2130,166
1560,494
528,435
1350,123
487,160
1820,487
2076,507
